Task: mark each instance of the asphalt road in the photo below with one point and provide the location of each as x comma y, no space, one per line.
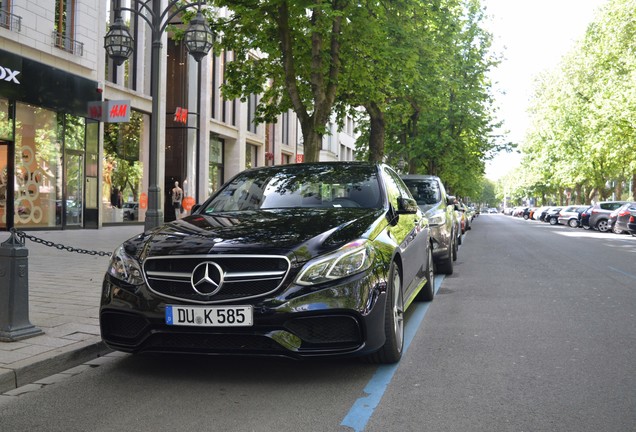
534,331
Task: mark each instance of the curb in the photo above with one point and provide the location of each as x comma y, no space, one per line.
51,363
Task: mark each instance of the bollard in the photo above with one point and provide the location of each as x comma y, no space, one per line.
14,292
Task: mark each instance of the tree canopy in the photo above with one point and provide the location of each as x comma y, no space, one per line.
413,72
581,145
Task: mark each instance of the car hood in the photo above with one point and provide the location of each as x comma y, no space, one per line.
296,233
427,208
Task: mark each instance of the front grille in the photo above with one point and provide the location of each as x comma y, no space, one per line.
244,276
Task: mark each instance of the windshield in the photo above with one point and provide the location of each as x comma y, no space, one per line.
425,191
300,186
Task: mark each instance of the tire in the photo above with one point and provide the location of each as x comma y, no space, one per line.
445,266
526,217
428,291
391,351
573,223
602,225
616,230
553,221
455,248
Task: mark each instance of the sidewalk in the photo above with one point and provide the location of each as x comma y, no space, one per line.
64,291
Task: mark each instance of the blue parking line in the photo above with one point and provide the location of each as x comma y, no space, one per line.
622,272
363,408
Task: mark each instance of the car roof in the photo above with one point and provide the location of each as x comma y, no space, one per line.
419,177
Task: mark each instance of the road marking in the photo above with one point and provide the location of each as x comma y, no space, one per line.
622,272
363,408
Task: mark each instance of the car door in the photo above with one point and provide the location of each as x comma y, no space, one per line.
410,232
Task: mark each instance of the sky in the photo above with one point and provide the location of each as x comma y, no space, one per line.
532,36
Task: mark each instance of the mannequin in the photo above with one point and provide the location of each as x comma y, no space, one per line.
177,198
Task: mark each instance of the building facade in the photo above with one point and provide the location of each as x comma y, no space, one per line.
75,127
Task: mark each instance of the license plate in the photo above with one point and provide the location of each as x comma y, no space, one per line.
209,316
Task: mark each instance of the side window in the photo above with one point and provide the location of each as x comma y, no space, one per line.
396,187
392,188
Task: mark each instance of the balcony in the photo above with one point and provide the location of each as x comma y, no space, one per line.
67,44
10,21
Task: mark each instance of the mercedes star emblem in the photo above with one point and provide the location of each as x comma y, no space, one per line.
207,278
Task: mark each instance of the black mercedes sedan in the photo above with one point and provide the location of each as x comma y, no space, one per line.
301,260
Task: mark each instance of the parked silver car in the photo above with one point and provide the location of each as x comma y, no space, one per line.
570,215
439,208
600,212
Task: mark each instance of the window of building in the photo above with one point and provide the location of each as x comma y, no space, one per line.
285,128
5,10
215,93
64,27
252,102
215,178
251,156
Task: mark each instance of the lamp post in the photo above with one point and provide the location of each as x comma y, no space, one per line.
119,45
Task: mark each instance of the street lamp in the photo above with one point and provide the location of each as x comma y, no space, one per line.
198,37
118,45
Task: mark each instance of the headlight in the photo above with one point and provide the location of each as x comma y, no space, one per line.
437,219
346,261
125,268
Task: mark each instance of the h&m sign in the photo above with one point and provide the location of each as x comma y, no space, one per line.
111,111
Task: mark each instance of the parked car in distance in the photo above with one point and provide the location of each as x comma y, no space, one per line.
631,223
599,214
570,215
439,208
584,220
619,218
301,260
536,215
552,215
131,211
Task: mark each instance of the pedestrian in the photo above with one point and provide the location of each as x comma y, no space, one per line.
177,198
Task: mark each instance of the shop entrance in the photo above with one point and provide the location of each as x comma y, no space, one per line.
73,203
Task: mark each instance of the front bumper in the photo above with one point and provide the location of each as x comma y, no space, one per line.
346,319
441,242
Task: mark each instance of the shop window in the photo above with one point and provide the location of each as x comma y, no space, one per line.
6,123
38,168
122,170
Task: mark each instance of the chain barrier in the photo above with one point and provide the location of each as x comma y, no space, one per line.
22,236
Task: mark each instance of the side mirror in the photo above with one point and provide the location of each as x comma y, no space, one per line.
407,206
195,208
450,200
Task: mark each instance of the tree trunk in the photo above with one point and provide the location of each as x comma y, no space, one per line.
618,189
312,140
376,136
